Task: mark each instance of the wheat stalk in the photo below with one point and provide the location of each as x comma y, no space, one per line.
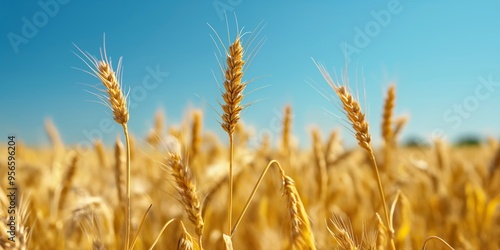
302,236
116,101
232,96
360,126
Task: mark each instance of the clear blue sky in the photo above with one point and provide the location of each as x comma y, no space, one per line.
436,53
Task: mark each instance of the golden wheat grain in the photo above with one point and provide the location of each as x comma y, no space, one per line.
187,190
116,97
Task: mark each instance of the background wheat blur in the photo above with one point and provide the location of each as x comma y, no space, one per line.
72,198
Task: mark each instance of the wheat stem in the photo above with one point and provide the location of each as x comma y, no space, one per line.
230,194
254,190
127,192
232,108
361,128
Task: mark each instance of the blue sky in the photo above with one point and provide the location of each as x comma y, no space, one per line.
444,58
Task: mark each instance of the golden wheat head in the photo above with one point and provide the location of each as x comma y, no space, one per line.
233,86
103,70
187,190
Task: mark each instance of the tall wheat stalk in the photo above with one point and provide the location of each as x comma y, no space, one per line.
117,102
360,126
232,96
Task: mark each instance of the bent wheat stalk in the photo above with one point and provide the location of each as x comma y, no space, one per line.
302,236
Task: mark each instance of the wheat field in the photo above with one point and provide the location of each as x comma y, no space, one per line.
182,187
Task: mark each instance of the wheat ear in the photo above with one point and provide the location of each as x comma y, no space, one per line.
343,235
55,140
67,181
387,129
195,135
186,241
361,129
399,124
301,231
287,127
232,96
101,153
187,190
117,102
320,159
